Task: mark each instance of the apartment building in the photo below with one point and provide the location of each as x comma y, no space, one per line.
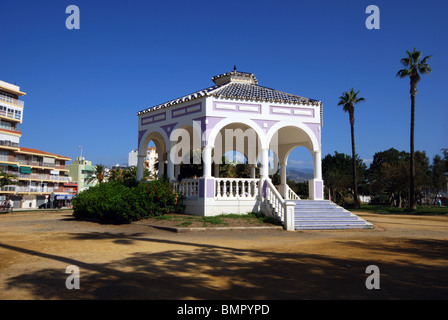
149,162
40,176
82,171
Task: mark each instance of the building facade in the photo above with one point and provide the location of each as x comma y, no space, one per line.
149,162
82,172
39,175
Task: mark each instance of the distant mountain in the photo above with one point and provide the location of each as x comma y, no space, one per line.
299,175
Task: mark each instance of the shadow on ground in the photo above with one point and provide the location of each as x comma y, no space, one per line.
206,271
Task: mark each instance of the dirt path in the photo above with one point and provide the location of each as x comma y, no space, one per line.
139,262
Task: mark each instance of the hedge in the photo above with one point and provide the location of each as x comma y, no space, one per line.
114,202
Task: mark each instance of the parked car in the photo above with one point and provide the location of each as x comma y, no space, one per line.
56,205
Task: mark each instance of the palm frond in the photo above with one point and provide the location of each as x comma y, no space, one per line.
414,65
348,99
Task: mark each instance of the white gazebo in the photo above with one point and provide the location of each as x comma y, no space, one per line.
236,115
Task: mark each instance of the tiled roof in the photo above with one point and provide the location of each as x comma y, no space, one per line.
35,151
238,85
247,91
192,96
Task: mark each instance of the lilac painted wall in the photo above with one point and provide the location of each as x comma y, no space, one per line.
169,128
236,107
318,189
141,133
187,110
210,183
315,128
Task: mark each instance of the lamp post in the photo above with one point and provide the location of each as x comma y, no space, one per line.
80,147
79,170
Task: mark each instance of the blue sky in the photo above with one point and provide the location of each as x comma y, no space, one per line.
84,87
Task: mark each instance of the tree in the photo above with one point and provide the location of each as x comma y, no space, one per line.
7,179
348,100
99,174
387,174
438,168
414,65
127,176
337,174
100,171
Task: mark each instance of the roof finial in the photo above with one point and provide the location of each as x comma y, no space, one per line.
234,67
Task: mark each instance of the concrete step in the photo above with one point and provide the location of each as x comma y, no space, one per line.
323,214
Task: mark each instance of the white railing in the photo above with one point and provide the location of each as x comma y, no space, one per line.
277,206
11,100
291,194
286,192
274,199
231,188
36,176
26,189
189,188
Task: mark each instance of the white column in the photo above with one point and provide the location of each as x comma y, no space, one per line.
252,171
161,166
216,170
265,163
317,165
140,167
207,161
170,169
283,188
283,173
316,185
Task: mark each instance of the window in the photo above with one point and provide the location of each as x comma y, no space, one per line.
5,125
4,155
6,97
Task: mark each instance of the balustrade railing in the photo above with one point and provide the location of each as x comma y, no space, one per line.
189,188
249,189
236,188
275,200
291,194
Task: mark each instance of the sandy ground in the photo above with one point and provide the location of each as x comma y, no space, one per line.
140,262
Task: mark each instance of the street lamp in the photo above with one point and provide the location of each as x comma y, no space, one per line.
79,170
80,147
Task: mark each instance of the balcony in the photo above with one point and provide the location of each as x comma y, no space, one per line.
11,100
37,164
7,143
10,129
27,189
40,177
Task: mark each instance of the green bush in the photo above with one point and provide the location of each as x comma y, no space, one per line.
115,202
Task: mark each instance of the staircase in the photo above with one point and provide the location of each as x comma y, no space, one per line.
323,214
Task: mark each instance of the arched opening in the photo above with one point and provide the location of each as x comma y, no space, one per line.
299,170
152,157
185,153
295,147
236,151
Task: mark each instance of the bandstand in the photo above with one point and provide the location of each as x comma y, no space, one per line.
237,114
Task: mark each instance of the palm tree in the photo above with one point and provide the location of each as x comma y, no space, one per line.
99,175
7,179
349,100
414,65
100,172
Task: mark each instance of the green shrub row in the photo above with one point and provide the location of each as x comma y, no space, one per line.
114,202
